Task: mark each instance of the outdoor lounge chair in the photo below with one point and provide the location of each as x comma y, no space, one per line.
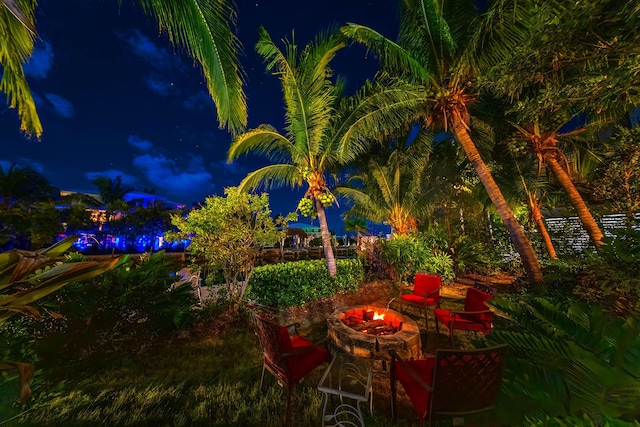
451,384
426,293
476,315
288,358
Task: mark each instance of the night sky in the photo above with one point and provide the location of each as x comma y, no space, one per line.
116,99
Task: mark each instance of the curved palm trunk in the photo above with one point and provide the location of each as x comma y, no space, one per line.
518,237
537,217
326,239
587,220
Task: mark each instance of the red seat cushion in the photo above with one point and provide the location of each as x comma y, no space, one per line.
416,299
463,321
419,396
303,363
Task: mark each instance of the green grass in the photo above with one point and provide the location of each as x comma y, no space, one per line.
209,377
206,381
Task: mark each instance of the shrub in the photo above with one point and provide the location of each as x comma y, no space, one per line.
295,283
132,299
408,255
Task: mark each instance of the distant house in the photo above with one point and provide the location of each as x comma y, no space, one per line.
310,230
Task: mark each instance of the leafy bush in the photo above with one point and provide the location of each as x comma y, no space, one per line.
295,283
611,278
133,298
408,255
569,362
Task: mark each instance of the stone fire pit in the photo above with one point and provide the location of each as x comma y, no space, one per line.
406,341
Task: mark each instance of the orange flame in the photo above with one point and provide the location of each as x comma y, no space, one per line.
377,316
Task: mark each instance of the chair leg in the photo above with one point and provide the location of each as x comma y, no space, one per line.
264,366
287,414
451,335
437,324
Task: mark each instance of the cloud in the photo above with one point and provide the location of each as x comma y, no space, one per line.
139,143
198,102
112,173
159,85
165,173
22,162
167,66
60,105
40,62
142,46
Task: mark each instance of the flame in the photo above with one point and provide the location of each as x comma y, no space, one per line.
378,316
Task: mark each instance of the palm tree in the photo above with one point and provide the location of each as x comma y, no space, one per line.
583,64
391,190
112,193
202,28
547,148
324,130
24,186
436,50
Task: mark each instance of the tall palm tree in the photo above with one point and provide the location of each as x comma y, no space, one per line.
323,131
582,64
436,49
391,190
548,148
203,29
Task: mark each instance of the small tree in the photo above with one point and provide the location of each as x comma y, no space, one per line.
228,233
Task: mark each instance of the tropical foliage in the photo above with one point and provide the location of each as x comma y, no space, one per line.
569,361
203,29
324,130
228,232
391,190
27,277
437,51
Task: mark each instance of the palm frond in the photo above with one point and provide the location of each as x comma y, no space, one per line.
261,140
392,55
272,176
425,33
15,49
204,29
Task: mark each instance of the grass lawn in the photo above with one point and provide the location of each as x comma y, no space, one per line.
209,376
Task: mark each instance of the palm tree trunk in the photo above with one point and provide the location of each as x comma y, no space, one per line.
589,224
518,237
326,239
537,217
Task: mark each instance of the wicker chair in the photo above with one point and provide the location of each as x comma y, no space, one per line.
451,384
288,358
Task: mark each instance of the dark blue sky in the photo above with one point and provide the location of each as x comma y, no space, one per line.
116,99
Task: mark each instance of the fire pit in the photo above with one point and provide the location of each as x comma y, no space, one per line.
367,331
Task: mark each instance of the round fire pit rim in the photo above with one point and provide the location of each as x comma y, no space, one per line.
408,324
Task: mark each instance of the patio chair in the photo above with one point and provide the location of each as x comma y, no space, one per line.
475,317
426,292
288,358
451,384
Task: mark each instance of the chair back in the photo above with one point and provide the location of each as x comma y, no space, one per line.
475,301
466,381
425,284
272,339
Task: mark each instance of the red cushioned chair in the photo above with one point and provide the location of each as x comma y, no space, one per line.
426,292
451,384
476,315
288,358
